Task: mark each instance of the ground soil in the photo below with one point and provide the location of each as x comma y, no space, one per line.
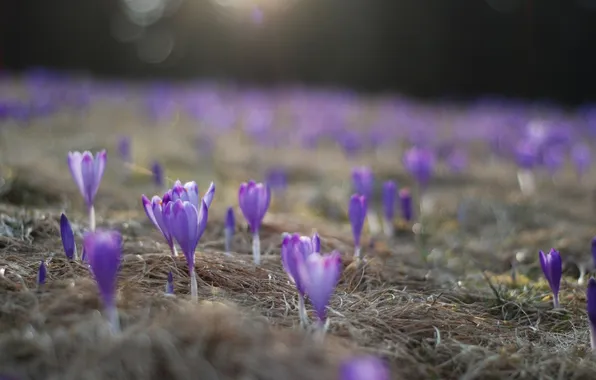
476,306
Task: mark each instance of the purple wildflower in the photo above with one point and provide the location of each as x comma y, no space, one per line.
552,268
591,308
389,192
170,284
87,172
155,210
357,214
104,255
229,228
187,225
363,181
364,367
157,174
406,204
68,240
254,199
41,274
420,163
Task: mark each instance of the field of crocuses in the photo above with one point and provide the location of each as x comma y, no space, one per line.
213,231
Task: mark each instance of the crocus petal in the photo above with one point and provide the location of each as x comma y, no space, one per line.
254,200
101,159
41,273
208,197
556,269
594,250
104,255
148,207
192,191
365,367
544,266
67,236
185,229
74,164
202,217
88,174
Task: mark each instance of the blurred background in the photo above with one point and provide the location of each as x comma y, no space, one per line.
539,49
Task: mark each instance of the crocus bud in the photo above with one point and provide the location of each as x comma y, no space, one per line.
41,274
87,172
124,149
230,227
68,240
591,308
320,274
155,210
254,199
158,174
365,367
357,214
406,204
104,249
363,181
316,243
389,192
420,163
552,268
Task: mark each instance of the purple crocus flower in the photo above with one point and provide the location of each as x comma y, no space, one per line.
277,179
104,255
157,174
591,308
581,158
320,275
87,172
357,213
527,154
124,149
187,225
68,240
389,192
41,274
553,159
170,284
155,210
420,163
294,251
364,367
254,199
552,268
406,204
363,181
190,192
229,228
457,161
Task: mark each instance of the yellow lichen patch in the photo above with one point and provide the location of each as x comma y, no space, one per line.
507,279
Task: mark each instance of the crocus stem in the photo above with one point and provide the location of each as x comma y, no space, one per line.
556,301
357,252
302,311
174,250
194,292
256,248
228,233
593,338
582,275
525,179
92,218
388,228
321,329
373,222
113,318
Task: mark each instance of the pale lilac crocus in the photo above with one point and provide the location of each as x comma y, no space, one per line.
364,367
357,214
68,240
105,255
155,210
294,251
87,172
229,228
591,309
363,182
320,275
254,199
187,225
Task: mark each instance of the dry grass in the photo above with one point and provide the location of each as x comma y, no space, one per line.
458,316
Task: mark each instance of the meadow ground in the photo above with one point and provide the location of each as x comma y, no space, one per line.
476,308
